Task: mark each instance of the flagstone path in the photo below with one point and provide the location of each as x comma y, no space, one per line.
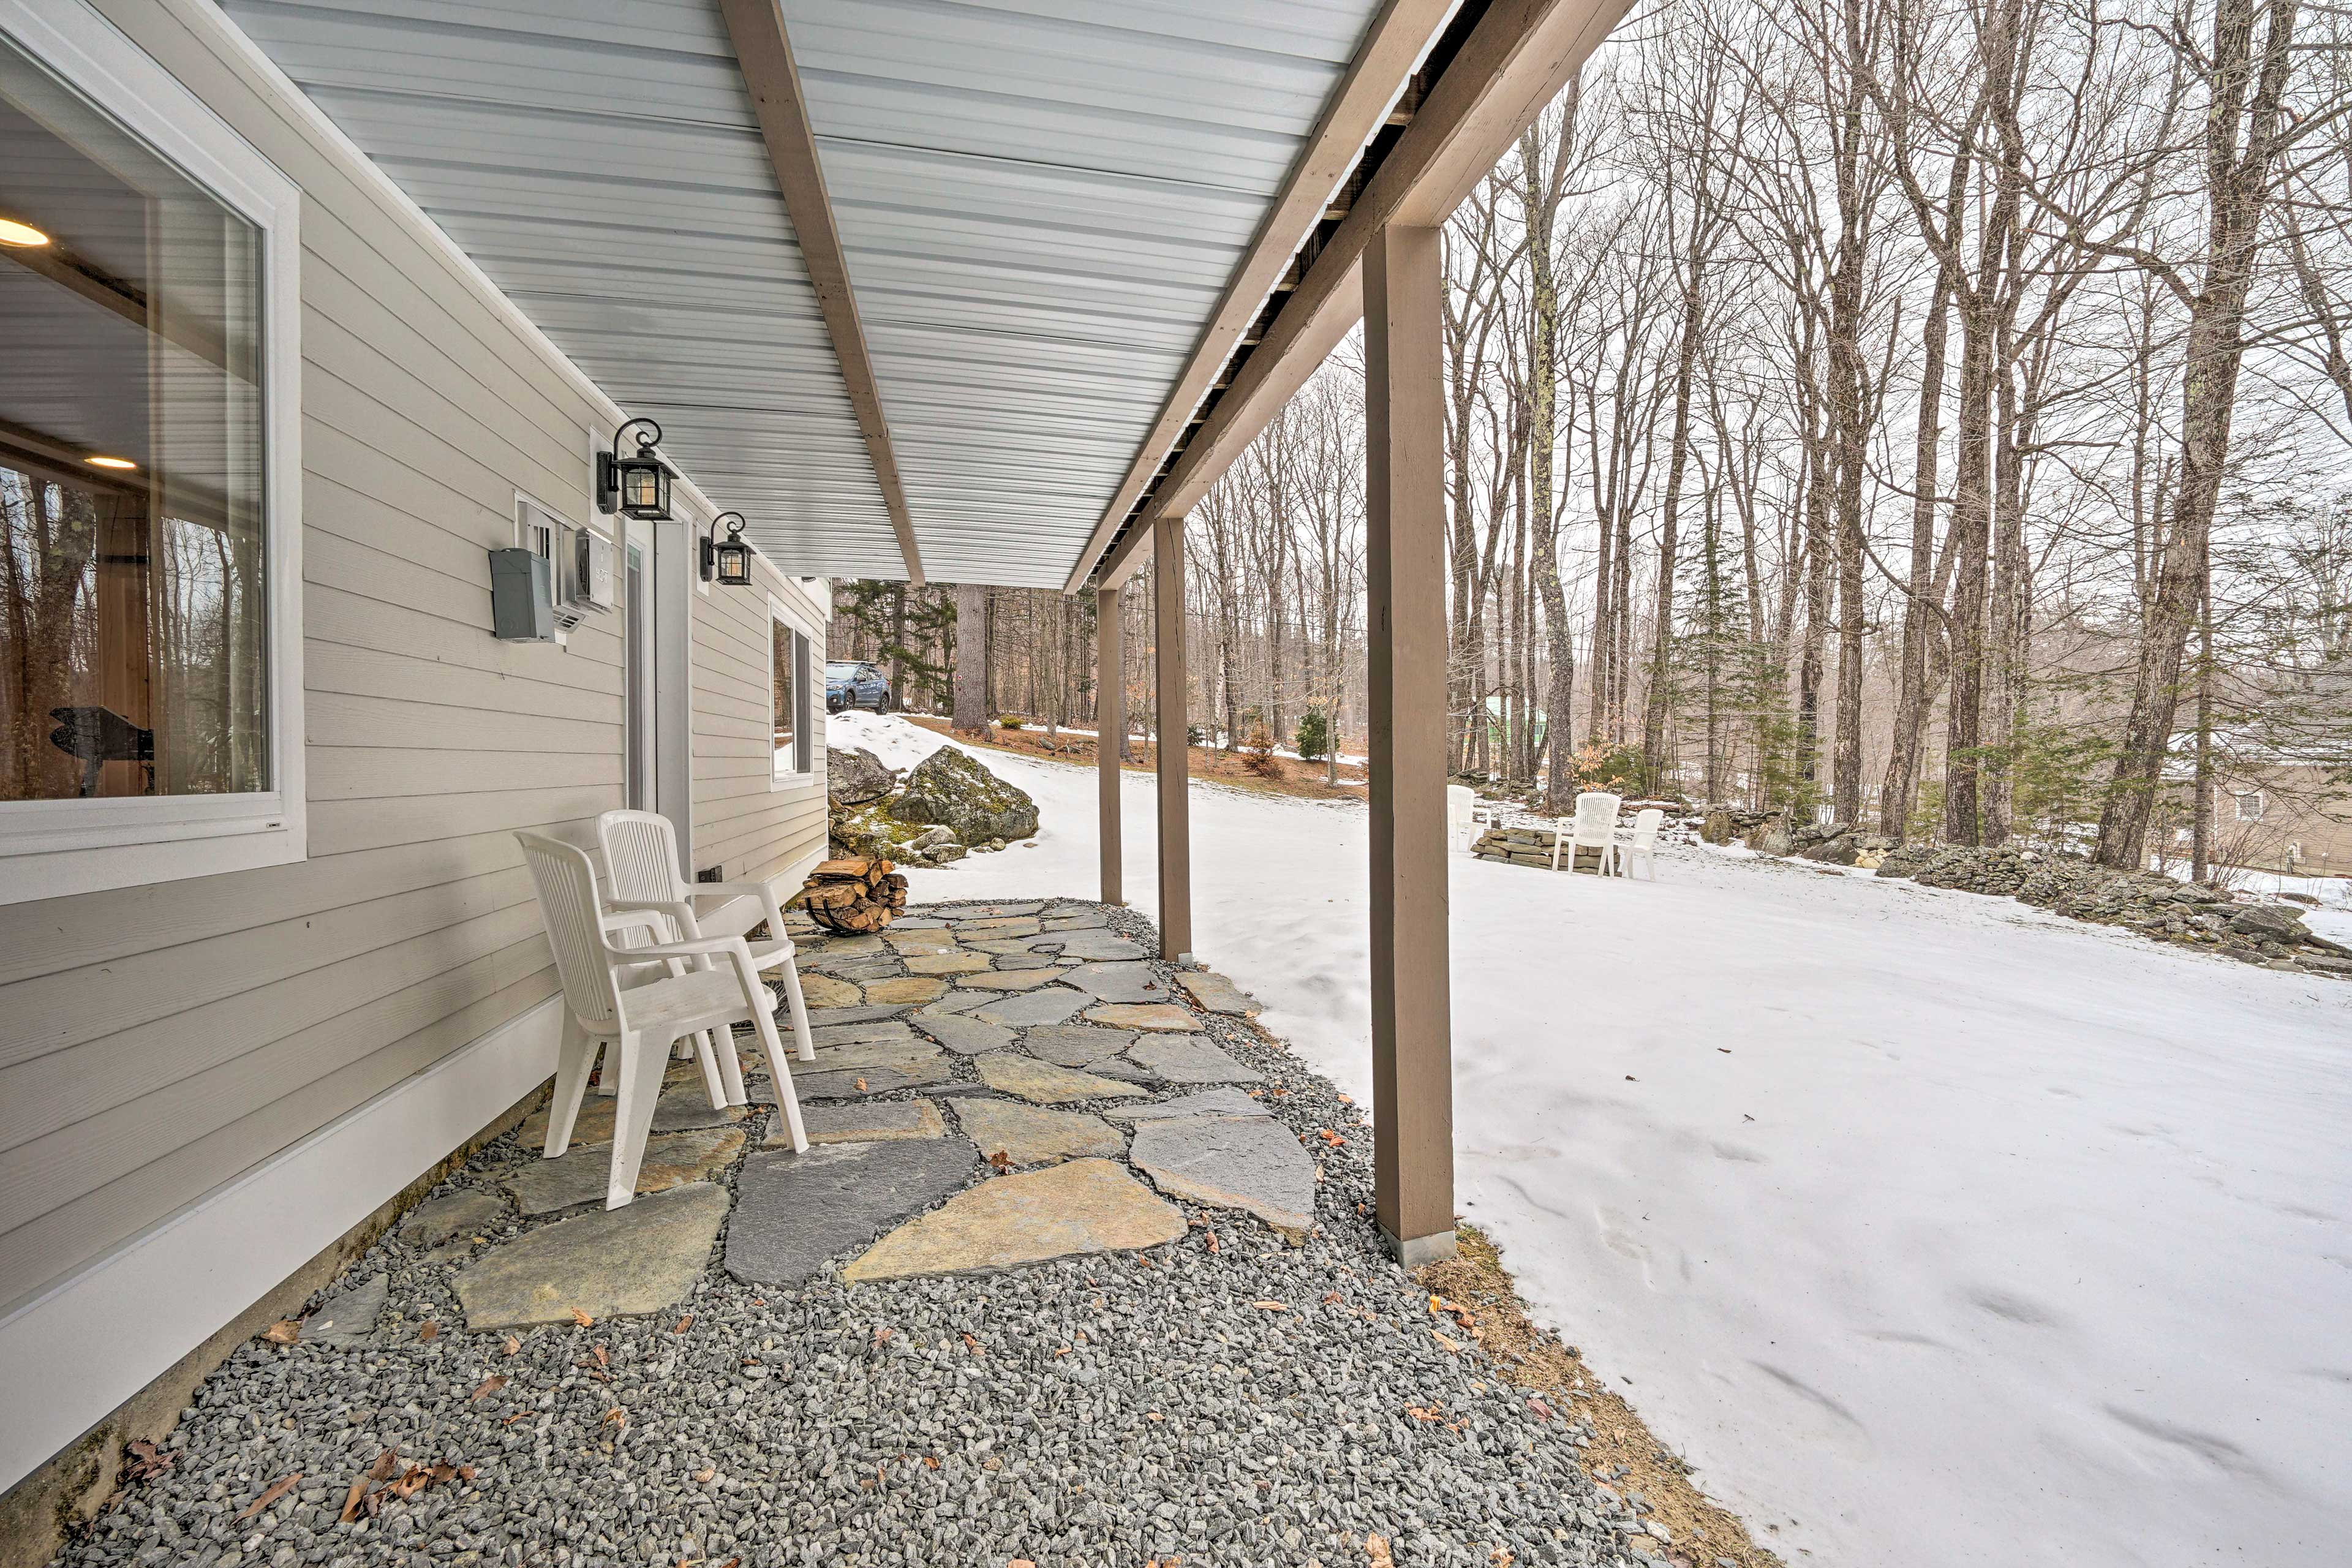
1061,1277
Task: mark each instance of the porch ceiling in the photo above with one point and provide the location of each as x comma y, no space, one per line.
1041,204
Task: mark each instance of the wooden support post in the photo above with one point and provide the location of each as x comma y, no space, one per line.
1110,735
1412,1076
1175,805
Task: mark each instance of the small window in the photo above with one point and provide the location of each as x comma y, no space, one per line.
787,662
2250,805
148,620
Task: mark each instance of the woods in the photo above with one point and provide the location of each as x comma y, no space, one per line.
1928,417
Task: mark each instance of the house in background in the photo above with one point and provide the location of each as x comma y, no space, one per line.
2289,816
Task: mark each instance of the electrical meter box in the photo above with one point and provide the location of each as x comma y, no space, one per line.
592,570
522,596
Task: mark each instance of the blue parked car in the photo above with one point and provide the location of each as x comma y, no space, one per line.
853,683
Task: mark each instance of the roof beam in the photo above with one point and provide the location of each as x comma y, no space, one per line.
756,27
1357,109
1513,63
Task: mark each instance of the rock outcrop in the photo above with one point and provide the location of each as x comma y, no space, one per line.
854,775
947,806
951,789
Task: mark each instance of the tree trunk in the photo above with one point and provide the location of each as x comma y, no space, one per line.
2238,190
972,658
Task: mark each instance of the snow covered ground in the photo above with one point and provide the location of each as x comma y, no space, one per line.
1932,1229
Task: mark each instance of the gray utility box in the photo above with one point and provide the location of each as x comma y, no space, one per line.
522,596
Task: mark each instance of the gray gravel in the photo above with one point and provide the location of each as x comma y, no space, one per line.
1101,1411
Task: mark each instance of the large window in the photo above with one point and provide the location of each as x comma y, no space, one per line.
787,662
141,696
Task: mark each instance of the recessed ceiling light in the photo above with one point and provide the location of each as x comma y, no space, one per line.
110,462
15,232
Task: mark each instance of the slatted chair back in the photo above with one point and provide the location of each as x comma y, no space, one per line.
1646,823
641,853
566,881
1596,818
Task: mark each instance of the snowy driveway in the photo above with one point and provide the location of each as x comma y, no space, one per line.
1930,1229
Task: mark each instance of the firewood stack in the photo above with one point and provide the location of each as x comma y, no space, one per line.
853,896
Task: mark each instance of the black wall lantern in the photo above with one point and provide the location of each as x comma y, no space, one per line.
730,562
638,481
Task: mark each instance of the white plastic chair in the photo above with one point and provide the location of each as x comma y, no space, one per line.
1640,842
635,1027
641,850
1461,804
1594,827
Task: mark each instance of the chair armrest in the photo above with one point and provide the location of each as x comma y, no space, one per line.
765,892
699,947
636,919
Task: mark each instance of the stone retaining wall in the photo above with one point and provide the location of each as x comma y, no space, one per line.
2149,902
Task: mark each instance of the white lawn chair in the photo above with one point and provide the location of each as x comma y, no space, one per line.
641,851
1594,827
1640,842
635,1027
1461,809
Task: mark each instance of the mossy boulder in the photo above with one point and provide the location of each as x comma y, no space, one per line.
871,830
854,775
949,789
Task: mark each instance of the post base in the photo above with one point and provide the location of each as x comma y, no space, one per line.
1420,1250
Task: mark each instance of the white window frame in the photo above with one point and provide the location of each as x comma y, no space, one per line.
2238,799
803,716
52,848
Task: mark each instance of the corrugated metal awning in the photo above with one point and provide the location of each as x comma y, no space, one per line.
1041,202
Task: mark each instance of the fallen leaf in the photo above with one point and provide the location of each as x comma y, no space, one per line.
930,1462
283,1333
430,1330
759,1300
582,1318
1153,1416
972,1345
1376,1552
351,1502
1346,1099
1331,1297
601,1358
881,1336
703,1477
1213,1240
1454,1345
1269,1306
1000,1159
683,1325
1542,1411
513,1344
518,1415
489,1385
861,1086
386,1466
616,1417
1425,1412
1334,1140
1501,1557
146,1461
271,1494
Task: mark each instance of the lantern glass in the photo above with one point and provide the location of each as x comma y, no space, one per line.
735,564
644,488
